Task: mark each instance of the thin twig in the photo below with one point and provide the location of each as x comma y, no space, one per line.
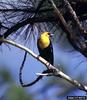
40,75
44,74
56,72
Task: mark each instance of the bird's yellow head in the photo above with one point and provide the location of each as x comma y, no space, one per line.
44,40
45,34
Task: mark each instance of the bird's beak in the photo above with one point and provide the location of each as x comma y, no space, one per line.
51,35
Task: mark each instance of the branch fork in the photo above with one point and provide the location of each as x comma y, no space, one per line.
56,72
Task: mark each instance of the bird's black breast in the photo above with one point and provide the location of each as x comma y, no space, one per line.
47,53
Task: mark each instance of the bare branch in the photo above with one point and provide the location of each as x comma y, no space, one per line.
84,1
73,14
25,22
76,42
31,10
44,74
56,72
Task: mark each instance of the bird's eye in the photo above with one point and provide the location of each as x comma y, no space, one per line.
48,33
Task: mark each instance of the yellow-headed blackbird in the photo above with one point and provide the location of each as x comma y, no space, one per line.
45,47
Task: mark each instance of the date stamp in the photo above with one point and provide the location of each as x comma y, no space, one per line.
76,97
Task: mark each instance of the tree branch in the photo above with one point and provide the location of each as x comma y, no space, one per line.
31,20
56,72
20,74
75,18
75,41
81,12
80,1
25,22
31,10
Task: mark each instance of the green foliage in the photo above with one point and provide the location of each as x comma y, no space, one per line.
17,93
14,92
5,75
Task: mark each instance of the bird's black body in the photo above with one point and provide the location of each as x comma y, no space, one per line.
47,53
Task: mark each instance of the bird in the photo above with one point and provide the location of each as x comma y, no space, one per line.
45,47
